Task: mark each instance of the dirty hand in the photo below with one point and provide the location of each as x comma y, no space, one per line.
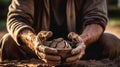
47,54
78,51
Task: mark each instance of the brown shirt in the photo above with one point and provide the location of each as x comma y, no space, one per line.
69,15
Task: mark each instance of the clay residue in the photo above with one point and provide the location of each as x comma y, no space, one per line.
81,63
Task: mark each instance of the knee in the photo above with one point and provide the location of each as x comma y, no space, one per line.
108,38
4,40
111,45
7,42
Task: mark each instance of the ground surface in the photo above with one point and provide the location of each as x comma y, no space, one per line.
90,63
37,63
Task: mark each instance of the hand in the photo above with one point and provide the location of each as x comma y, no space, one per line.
77,52
47,54
35,42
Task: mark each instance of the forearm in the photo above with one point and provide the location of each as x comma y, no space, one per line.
20,16
91,33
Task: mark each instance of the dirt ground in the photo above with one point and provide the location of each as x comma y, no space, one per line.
38,63
90,63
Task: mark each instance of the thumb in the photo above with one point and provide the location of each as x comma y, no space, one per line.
78,48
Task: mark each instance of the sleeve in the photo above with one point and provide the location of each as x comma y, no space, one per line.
95,12
20,16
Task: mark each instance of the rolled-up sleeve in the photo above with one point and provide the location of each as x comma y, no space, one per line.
20,16
95,12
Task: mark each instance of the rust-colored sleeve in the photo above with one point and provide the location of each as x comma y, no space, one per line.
95,12
20,16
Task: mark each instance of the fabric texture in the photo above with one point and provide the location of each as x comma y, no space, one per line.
62,19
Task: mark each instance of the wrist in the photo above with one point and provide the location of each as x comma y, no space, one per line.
85,38
27,37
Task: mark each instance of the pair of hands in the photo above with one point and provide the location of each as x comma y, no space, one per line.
50,55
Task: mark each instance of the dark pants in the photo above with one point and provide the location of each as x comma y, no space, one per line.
108,46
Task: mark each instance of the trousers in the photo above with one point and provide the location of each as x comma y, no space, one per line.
107,46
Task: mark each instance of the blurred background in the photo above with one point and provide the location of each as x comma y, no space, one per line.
113,14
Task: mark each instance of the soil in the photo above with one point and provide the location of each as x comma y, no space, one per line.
81,63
